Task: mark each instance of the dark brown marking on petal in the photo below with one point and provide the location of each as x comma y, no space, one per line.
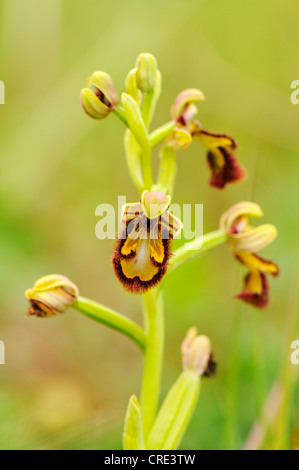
38,309
120,243
233,144
135,285
231,171
103,98
257,300
167,254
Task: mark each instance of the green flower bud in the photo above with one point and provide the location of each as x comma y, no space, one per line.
100,96
147,67
131,86
135,121
51,295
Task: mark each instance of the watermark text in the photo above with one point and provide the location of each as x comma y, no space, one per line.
295,354
295,94
110,223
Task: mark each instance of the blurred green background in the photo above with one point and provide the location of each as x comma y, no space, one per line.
67,381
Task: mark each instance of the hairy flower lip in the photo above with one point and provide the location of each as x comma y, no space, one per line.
259,299
136,285
221,160
256,286
142,252
231,171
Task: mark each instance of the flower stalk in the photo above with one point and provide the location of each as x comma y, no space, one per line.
162,133
194,249
112,319
153,360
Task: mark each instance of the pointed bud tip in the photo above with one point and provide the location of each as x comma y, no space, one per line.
146,74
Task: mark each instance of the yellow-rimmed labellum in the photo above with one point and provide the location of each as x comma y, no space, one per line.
142,251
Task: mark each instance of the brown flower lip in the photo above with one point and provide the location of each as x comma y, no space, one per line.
222,162
136,285
142,252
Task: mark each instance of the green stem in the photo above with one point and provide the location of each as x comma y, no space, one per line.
159,135
147,106
119,112
147,171
196,248
150,391
112,319
150,101
132,149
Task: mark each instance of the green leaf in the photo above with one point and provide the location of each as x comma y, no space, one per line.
133,433
175,413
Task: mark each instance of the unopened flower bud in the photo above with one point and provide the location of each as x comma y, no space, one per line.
197,354
51,295
184,102
147,67
131,86
100,96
